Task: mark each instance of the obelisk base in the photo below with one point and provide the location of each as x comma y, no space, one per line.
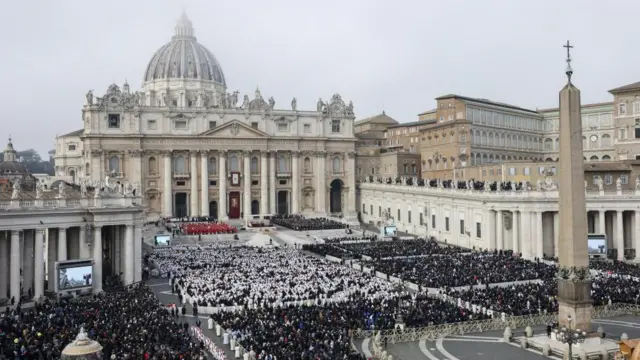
574,300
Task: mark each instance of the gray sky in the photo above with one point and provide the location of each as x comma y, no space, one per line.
392,55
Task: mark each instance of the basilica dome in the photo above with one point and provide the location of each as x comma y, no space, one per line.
184,58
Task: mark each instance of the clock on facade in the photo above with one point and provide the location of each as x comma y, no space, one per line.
594,138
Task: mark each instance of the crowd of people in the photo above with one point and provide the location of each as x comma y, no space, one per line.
353,238
129,324
301,223
451,184
402,248
207,228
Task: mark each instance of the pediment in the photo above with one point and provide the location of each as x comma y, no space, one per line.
234,129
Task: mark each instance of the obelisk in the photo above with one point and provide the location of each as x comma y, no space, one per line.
574,281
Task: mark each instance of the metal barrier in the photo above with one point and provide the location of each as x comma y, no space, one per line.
514,322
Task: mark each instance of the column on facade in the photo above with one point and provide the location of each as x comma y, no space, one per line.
272,182
295,182
135,156
137,252
499,231
96,164
97,260
28,238
52,252
167,201
117,248
516,232
204,183
14,271
193,176
636,234
38,264
4,264
490,228
82,243
264,186
321,187
222,185
62,244
246,176
128,255
556,234
539,235
619,237
351,183
601,222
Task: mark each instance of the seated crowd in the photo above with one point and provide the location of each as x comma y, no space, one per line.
329,250
208,228
615,267
341,239
128,324
301,223
398,248
464,269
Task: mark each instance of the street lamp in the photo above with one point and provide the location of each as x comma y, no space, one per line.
567,335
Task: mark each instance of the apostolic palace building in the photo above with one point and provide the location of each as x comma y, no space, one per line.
199,149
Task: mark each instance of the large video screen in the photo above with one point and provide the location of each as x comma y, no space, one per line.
163,240
74,275
597,244
390,231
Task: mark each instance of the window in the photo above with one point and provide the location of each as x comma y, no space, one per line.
461,226
212,124
113,121
370,209
254,125
282,127
637,133
190,103
526,171
441,118
624,179
180,124
398,215
595,179
636,108
174,102
254,165
151,124
379,211
72,147
446,223
282,163
307,128
283,182
335,126
606,140
152,165
421,219
608,179
541,170
409,216
622,134
181,183
234,164
433,221
179,165
337,166
213,165
363,209
254,182
512,171
622,109
114,164
478,230
212,183
307,166
463,137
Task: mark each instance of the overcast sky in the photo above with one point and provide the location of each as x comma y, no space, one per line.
395,56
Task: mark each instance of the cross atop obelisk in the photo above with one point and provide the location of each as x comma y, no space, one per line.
574,284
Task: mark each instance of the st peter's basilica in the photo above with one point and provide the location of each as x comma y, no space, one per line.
197,149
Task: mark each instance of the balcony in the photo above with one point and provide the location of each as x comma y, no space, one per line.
283,174
181,175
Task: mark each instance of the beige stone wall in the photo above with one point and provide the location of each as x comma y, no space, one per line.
626,114
443,146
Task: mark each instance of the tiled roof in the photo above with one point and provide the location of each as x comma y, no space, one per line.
73,133
485,101
607,166
380,118
629,87
413,123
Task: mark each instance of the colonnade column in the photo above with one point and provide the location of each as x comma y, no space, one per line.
272,182
62,244
619,237
193,179
82,242
222,185
499,231
137,253
204,183
526,235
636,235
14,273
351,179
52,250
516,232
38,264
246,176
321,187
28,238
601,222
539,235
97,260
128,255
167,202
4,264
264,186
556,234
491,229
295,179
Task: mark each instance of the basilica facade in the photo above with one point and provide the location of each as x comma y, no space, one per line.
197,149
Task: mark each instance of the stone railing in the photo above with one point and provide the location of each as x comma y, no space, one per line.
63,203
502,194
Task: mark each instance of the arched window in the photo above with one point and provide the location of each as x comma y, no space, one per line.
213,165
606,140
307,165
413,168
593,158
234,164
114,164
405,168
606,157
72,173
282,163
337,166
254,165
179,165
152,165
87,169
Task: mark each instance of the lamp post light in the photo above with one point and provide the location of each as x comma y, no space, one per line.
569,336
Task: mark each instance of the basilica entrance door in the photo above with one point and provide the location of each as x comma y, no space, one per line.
283,202
234,205
180,205
213,209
